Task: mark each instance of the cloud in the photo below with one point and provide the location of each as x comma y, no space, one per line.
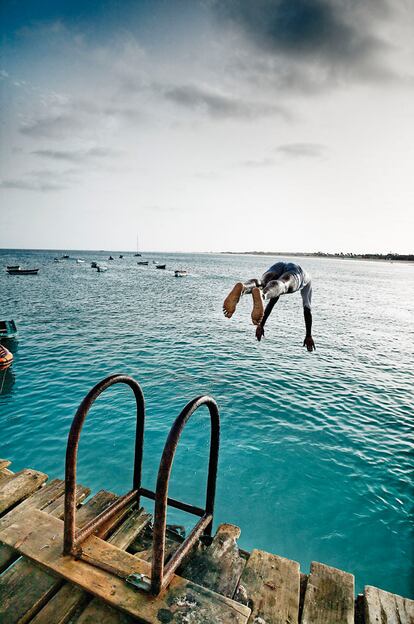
53,126
305,26
43,181
302,150
76,156
31,185
307,44
217,105
259,164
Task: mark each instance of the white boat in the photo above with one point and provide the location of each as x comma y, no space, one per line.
80,261
180,273
101,268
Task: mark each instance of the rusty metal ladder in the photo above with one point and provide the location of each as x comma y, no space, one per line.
73,538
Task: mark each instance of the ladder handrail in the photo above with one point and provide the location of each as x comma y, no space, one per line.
159,575
73,538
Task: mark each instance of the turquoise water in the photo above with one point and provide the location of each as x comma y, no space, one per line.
315,448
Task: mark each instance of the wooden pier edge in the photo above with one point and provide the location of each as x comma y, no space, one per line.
217,582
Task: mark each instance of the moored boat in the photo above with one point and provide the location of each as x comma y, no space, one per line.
160,266
101,268
8,329
94,265
143,262
110,258
180,273
20,271
6,358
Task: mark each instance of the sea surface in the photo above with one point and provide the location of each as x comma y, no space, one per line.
316,449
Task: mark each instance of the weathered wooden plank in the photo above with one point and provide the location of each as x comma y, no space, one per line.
61,607
329,596
19,486
71,598
130,528
25,587
49,498
5,474
40,537
270,586
218,566
381,607
98,612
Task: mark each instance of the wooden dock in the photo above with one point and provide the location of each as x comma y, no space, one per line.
218,582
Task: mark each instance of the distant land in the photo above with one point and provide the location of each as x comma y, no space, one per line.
322,254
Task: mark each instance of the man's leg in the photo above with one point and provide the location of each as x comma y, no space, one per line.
239,289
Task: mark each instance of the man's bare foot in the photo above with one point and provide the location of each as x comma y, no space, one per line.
257,312
232,299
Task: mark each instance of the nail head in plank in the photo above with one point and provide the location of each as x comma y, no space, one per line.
19,486
382,607
219,565
270,586
40,537
329,596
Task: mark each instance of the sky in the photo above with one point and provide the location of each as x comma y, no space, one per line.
207,125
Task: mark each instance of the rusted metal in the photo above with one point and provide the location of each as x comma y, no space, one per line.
158,578
160,575
73,538
172,502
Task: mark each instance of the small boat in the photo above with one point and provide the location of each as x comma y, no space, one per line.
143,262
20,271
13,266
56,260
180,273
8,329
160,266
110,258
121,256
137,255
80,261
65,257
101,268
94,265
6,358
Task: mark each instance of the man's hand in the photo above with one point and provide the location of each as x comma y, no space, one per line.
309,344
259,332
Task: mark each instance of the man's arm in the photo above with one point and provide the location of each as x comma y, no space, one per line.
269,308
308,342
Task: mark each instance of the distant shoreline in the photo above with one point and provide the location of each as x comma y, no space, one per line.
408,258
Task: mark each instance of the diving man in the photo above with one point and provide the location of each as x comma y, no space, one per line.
280,279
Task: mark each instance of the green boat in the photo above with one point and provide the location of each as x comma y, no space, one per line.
8,329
